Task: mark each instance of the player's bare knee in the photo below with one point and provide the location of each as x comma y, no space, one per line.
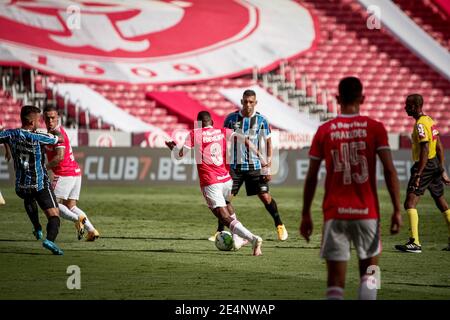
441,204
411,201
407,205
52,212
265,197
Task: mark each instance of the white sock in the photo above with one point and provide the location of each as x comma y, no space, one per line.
88,225
240,230
65,213
367,291
335,293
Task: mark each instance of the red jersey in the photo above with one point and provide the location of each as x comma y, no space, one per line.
349,145
68,166
210,154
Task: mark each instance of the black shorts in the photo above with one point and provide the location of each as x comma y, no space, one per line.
431,179
45,198
254,183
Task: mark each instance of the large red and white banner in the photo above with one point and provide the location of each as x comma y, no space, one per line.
153,41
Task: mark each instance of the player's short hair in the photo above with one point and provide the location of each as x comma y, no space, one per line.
249,93
50,107
27,111
203,116
350,90
416,98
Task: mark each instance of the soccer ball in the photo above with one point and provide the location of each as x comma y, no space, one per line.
224,241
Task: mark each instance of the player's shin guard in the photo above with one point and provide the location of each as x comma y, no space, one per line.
88,225
33,213
335,293
65,213
366,290
414,225
237,228
53,228
272,208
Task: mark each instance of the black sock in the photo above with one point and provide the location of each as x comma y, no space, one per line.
220,226
33,213
273,210
52,228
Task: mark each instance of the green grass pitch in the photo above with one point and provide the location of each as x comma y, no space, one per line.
154,246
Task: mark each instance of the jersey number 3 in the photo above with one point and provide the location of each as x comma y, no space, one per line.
216,153
352,164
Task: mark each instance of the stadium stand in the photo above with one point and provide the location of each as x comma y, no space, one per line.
430,17
308,82
388,69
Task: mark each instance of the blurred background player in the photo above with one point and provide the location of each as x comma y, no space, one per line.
349,144
7,158
246,166
32,183
427,172
210,146
66,177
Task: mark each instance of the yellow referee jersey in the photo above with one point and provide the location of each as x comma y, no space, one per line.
424,131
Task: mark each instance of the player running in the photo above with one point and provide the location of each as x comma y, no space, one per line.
7,158
66,177
210,146
349,144
32,183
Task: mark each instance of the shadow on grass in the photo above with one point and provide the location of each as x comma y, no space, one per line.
196,239
28,253
18,240
154,238
420,284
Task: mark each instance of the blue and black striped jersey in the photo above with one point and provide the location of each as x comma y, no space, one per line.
29,157
257,129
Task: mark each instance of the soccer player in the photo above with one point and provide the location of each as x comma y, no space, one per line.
427,172
32,183
7,158
210,146
349,144
66,177
246,166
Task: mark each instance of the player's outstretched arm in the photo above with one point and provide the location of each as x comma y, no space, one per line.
4,138
309,189
8,154
440,155
393,186
423,159
173,146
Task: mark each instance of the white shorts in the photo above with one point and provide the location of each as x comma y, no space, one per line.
339,234
67,187
217,194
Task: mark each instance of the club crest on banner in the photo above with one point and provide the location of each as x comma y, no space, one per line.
152,41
